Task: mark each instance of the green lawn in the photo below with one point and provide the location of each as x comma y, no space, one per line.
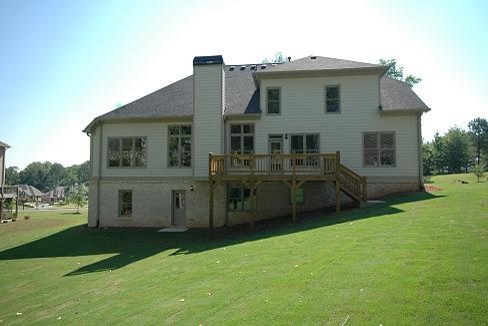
421,258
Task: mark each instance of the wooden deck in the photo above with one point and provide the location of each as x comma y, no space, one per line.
292,169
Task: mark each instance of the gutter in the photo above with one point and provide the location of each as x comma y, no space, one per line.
99,174
419,136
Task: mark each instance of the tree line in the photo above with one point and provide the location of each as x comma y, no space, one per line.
457,150
46,175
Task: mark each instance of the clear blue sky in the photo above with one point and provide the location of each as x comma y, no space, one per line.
64,62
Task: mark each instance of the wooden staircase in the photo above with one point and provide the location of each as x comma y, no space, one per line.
352,184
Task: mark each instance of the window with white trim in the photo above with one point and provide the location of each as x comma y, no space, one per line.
273,97
241,138
379,148
239,198
127,152
125,203
332,99
305,144
179,146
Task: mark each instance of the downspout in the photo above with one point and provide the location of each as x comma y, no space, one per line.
99,173
419,135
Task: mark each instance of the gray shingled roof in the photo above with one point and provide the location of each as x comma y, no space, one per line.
2,144
242,94
317,63
174,100
30,191
396,95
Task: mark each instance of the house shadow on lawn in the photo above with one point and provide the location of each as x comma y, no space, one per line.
132,245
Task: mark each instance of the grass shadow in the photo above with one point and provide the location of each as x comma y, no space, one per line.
131,245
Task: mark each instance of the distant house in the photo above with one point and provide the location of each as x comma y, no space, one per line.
237,143
55,195
30,193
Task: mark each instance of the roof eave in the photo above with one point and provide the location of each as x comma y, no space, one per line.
98,120
413,110
380,70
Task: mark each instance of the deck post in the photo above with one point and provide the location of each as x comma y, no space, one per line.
294,200
211,194
253,205
365,189
1,203
17,203
337,182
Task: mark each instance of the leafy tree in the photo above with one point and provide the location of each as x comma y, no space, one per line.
36,174
55,176
456,149
438,152
12,175
83,172
79,197
478,170
397,72
428,158
478,132
279,58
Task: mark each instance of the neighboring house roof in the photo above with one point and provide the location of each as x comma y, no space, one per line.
398,96
30,191
318,63
2,144
242,93
56,192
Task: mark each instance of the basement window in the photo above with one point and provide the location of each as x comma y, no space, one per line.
125,203
239,198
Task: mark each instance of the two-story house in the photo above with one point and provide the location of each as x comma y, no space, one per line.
235,143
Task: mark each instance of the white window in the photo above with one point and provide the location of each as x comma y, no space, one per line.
125,203
241,138
179,146
273,97
127,152
239,198
332,99
379,148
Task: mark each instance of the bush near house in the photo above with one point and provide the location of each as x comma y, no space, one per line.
417,259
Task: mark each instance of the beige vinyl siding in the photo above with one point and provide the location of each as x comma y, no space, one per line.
303,111
157,150
207,115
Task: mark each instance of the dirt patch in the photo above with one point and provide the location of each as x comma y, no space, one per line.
432,188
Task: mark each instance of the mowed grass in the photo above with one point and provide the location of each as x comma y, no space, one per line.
420,258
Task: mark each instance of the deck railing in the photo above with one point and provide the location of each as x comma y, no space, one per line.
8,191
268,164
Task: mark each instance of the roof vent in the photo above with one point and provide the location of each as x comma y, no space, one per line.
274,64
263,66
243,67
231,68
253,67
313,57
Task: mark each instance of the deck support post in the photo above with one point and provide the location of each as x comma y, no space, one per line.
252,188
337,182
17,204
294,200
